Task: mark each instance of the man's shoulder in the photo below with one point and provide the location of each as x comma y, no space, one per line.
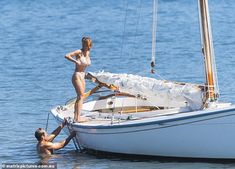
44,144
43,148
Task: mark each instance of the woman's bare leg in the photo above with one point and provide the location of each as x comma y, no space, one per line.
80,103
78,85
82,91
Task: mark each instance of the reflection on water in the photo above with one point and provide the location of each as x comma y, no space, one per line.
44,159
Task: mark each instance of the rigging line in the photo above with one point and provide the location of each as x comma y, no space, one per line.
137,26
124,29
200,25
213,55
144,72
158,74
210,67
93,33
48,116
154,30
208,46
202,43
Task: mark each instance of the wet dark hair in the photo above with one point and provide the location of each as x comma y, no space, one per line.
39,133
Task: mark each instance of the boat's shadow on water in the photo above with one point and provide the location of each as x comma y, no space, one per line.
161,159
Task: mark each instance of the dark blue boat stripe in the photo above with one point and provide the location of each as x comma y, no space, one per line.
158,122
155,128
154,122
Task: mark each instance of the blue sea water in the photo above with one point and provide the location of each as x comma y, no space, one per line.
34,76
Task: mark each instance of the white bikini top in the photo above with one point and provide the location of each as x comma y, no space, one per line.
83,60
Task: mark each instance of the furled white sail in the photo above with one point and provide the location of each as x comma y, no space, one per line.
160,92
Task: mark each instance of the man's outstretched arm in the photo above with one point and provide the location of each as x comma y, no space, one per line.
56,131
59,145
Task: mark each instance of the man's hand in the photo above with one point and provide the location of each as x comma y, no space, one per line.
73,134
57,130
65,121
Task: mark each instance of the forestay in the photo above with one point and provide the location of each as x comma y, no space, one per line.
158,92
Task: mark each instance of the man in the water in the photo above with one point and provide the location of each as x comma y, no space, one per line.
45,145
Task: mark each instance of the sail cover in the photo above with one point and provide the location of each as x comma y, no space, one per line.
158,92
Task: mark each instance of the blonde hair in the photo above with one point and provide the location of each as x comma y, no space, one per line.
86,41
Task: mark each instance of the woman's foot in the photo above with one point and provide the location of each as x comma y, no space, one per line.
82,120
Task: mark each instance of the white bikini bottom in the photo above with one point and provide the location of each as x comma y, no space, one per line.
80,74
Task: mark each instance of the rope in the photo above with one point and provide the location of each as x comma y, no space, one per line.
139,9
146,71
48,116
154,30
213,55
205,25
124,29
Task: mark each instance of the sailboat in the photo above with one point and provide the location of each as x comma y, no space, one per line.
146,116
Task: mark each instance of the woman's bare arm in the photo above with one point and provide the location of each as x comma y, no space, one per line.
70,56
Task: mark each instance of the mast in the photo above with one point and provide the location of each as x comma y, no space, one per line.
208,52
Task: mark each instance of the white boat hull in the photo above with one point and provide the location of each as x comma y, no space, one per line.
199,134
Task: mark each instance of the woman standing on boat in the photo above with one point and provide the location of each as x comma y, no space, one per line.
81,58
